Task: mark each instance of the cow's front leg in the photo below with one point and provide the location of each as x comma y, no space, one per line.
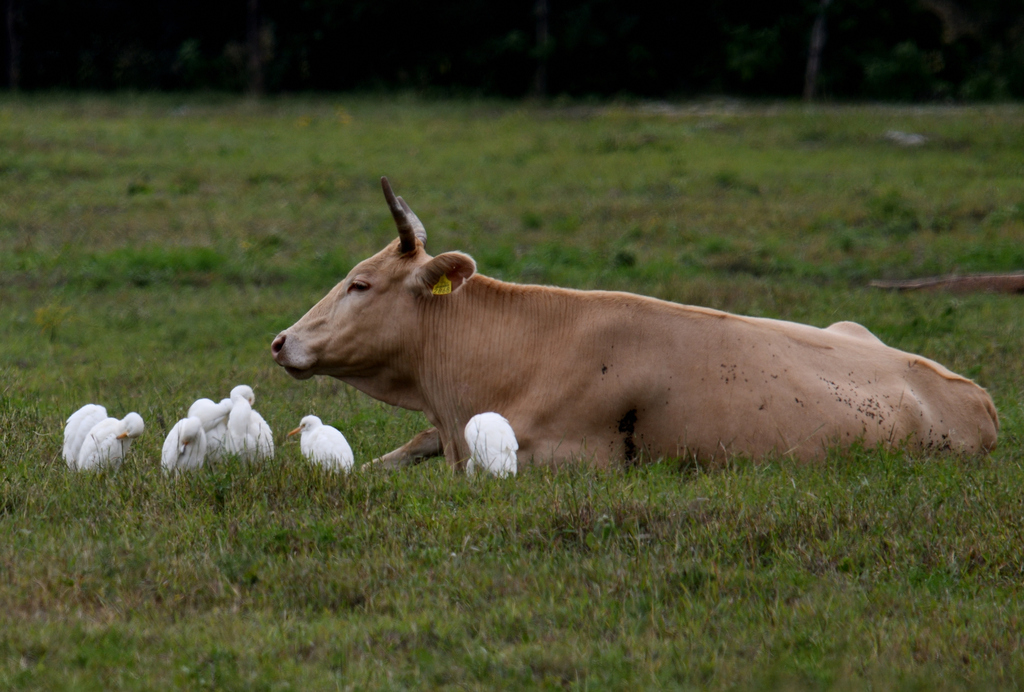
423,446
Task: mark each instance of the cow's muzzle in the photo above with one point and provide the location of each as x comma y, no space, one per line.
293,363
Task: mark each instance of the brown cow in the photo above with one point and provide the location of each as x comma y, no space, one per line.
615,376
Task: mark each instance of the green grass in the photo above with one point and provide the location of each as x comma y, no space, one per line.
150,248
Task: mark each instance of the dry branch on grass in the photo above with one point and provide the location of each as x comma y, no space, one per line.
971,283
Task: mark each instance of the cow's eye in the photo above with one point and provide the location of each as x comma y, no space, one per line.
358,286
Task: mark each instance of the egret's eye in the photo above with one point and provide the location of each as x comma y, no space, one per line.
358,286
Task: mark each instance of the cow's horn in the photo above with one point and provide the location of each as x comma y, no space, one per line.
409,226
417,225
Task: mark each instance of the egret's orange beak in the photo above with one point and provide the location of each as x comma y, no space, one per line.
122,435
298,429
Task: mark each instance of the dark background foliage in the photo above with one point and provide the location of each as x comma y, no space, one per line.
883,49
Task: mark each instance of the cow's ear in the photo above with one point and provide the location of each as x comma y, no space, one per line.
445,273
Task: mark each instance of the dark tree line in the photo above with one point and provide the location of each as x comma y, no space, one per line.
889,49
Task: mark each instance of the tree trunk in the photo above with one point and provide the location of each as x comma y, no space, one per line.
255,53
13,47
814,52
540,77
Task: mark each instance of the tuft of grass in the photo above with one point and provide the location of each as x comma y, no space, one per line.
50,318
892,214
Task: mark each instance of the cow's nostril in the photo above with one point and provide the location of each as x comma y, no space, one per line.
278,344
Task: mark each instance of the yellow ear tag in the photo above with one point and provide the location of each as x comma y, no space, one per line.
443,286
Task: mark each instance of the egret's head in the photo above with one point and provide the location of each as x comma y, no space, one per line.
243,391
307,424
133,426
190,429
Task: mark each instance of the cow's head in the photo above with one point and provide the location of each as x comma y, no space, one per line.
369,319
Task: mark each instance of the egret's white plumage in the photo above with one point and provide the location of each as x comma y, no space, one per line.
214,418
78,426
324,445
264,436
492,445
238,428
185,446
249,436
107,442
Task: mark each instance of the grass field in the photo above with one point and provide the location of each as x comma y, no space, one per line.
150,248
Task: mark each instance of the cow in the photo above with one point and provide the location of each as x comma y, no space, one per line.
615,377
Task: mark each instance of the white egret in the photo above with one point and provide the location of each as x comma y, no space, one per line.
492,445
324,445
249,436
78,426
214,418
108,441
185,446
